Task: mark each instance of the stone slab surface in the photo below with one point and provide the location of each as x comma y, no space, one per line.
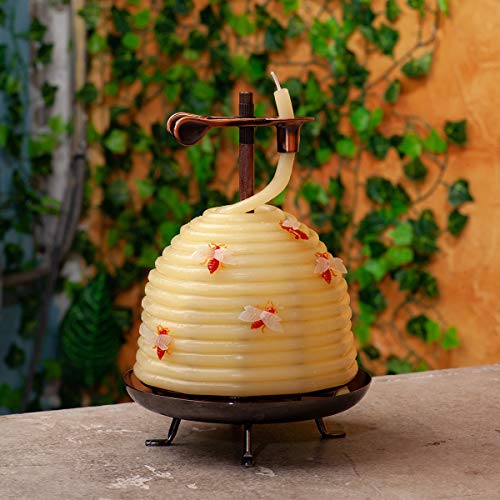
431,435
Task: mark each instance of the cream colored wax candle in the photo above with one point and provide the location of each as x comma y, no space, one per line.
247,304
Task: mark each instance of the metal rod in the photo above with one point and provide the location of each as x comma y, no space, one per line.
246,153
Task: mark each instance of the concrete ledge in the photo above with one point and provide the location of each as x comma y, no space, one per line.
427,435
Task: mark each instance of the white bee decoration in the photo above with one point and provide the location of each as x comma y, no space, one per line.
214,256
328,266
260,318
160,341
293,227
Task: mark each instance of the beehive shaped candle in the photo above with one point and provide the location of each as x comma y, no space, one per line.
247,304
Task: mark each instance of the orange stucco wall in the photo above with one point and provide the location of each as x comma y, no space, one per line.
463,83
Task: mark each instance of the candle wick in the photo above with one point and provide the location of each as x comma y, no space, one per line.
276,81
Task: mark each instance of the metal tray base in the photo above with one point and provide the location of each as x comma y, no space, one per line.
247,411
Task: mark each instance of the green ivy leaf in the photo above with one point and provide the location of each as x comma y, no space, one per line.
391,94
290,5
408,279
274,36
456,222
372,352
142,18
314,193
44,53
416,326
392,10
417,5
367,314
4,133
296,27
48,94
242,24
377,267
362,332
373,297
90,13
360,118
148,256
322,155
434,144
378,145
450,339
116,141
96,43
396,366
456,132
443,7
432,331
402,234
416,68
376,117
15,357
386,38
346,148
399,256
168,230
111,88
88,93
374,248
37,30
340,92
410,145
372,224
131,41
145,187
378,189
429,284
415,169
336,188
57,125
458,193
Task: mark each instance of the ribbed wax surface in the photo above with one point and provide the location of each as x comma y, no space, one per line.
214,352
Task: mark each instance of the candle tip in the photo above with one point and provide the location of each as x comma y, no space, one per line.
276,81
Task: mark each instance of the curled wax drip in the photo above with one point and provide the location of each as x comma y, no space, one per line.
278,183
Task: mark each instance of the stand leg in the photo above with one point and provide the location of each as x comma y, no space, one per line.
174,427
247,458
320,424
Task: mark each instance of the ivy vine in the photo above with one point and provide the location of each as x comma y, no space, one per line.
26,162
185,56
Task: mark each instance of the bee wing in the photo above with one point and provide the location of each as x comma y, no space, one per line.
250,314
149,336
272,321
202,254
224,255
164,341
322,265
337,265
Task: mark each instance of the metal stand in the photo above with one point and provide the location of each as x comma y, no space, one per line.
247,458
247,412
320,424
174,427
